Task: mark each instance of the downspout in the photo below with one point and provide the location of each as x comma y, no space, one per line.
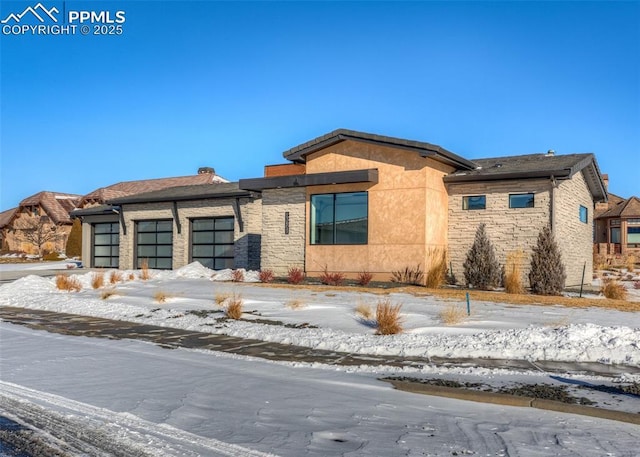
552,206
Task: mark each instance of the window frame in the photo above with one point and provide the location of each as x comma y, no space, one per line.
467,206
583,214
313,237
533,200
111,244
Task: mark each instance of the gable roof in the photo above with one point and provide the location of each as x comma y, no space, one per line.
126,188
535,166
299,153
181,193
55,204
629,208
6,217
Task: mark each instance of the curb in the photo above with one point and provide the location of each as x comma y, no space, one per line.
513,400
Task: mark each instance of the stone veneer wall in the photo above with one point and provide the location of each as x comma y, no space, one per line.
574,237
509,229
247,242
280,251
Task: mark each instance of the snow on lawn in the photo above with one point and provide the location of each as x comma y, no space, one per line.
494,330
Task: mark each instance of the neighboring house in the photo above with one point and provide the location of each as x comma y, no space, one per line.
373,203
216,224
40,223
617,227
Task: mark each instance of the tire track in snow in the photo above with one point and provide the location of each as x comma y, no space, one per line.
87,430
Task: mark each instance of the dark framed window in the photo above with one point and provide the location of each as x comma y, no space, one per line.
633,237
339,218
584,214
154,243
106,244
212,242
474,202
521,201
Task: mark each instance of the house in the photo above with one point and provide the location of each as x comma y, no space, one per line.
103,220
40,223
617,227
352,201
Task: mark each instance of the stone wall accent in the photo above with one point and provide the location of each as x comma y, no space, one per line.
247,240
280,250
574,237
509,229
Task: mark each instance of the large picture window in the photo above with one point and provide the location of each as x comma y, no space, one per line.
521,201
212,242
154,243
474,202
339,218
633,237
106,244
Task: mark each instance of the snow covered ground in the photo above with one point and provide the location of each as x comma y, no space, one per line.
191,403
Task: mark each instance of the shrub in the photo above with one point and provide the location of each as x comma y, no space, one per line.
266,276
452,315
97,280
115,277
547,274
295,275
436,275
364,310
107,293
237,276
408,276
599,262
513,272
364,278
145,274
388,319
132,276
481,269
331,279
630,262
160,296
294,303
614,289
52,257
221,297
74,241
234,307
64,282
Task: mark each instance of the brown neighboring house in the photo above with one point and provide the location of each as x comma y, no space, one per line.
41,222
617,227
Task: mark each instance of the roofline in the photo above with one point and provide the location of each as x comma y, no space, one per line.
369,175
561,173
94,211
299,153
198,196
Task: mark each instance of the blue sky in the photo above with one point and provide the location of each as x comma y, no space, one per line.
232,85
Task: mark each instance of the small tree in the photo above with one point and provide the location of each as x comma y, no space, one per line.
74,242
481,269
40,231
547,274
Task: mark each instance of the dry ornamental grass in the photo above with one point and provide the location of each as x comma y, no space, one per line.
513,272
145,274
294,303
221,297
234,307
388,319
97,280
161,296
64,282
237,276
452,315
107,293
266,276
115,277
614,289
364,310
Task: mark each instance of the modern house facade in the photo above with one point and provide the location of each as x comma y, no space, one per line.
352,202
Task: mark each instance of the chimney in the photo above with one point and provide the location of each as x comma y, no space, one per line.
605,180
206,171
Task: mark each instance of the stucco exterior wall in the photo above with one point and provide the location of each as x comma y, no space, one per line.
574,237
508,229
281,250
407,209
247,241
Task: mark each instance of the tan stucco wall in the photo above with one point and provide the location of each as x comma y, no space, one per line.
407,209
245,241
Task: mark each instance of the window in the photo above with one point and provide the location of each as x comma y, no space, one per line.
106,243
474,202
633,236
521,201
154,243
584,214
339,218
615,235
212,242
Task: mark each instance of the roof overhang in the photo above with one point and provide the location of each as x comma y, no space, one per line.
176,198
369,175
100,210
